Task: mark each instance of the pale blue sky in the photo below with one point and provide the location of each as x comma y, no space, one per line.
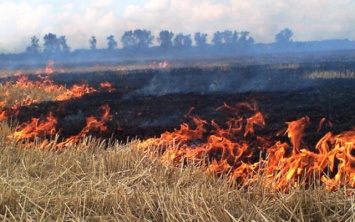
79,20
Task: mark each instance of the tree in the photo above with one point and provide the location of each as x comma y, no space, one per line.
63,43
284,36
245,41
111,42
178,40
187,42
200,39
51,44
217,38
138,38
127,39
232,40
34,47
235,37
92,42
182,41
225,38
165,39
144,38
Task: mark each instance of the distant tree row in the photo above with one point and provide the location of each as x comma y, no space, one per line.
143,39
52,44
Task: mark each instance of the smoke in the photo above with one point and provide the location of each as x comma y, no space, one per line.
217,81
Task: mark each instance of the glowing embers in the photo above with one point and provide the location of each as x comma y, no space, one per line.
232,148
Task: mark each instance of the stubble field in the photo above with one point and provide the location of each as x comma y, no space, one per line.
163,143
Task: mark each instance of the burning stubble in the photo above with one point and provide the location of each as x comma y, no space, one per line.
235,146
227,160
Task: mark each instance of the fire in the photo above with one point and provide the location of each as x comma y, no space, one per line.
75,91
24,91
107,87
92,125
36,128
234,150
295,132
48,70
343,150
236,147
163,64
3,115
62,93
159,65
43,128
27,92
50,67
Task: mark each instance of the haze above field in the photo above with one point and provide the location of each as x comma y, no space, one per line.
78,21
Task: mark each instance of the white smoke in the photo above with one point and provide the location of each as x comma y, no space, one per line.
198,81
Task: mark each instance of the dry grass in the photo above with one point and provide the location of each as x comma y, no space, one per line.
94,181
120,183
346,74
27,92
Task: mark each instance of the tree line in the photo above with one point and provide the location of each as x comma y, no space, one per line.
141,39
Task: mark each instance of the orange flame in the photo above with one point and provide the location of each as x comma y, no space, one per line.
50,67
75,92
295,132
222,148
106,86
48,70
92,125
36,128
283,165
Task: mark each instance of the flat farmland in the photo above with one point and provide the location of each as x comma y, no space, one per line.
161,141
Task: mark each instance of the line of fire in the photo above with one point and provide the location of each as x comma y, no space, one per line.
290,124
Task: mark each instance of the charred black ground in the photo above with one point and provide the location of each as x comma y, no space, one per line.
148,102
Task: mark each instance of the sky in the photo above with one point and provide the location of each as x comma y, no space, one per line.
79,20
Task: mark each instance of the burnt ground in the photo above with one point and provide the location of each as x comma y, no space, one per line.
147,103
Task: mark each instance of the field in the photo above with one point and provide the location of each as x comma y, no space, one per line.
210,141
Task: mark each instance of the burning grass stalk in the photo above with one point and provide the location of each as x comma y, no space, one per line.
120,182
92,179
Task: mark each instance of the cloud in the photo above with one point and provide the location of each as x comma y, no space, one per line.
79,20
157,5
19,20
